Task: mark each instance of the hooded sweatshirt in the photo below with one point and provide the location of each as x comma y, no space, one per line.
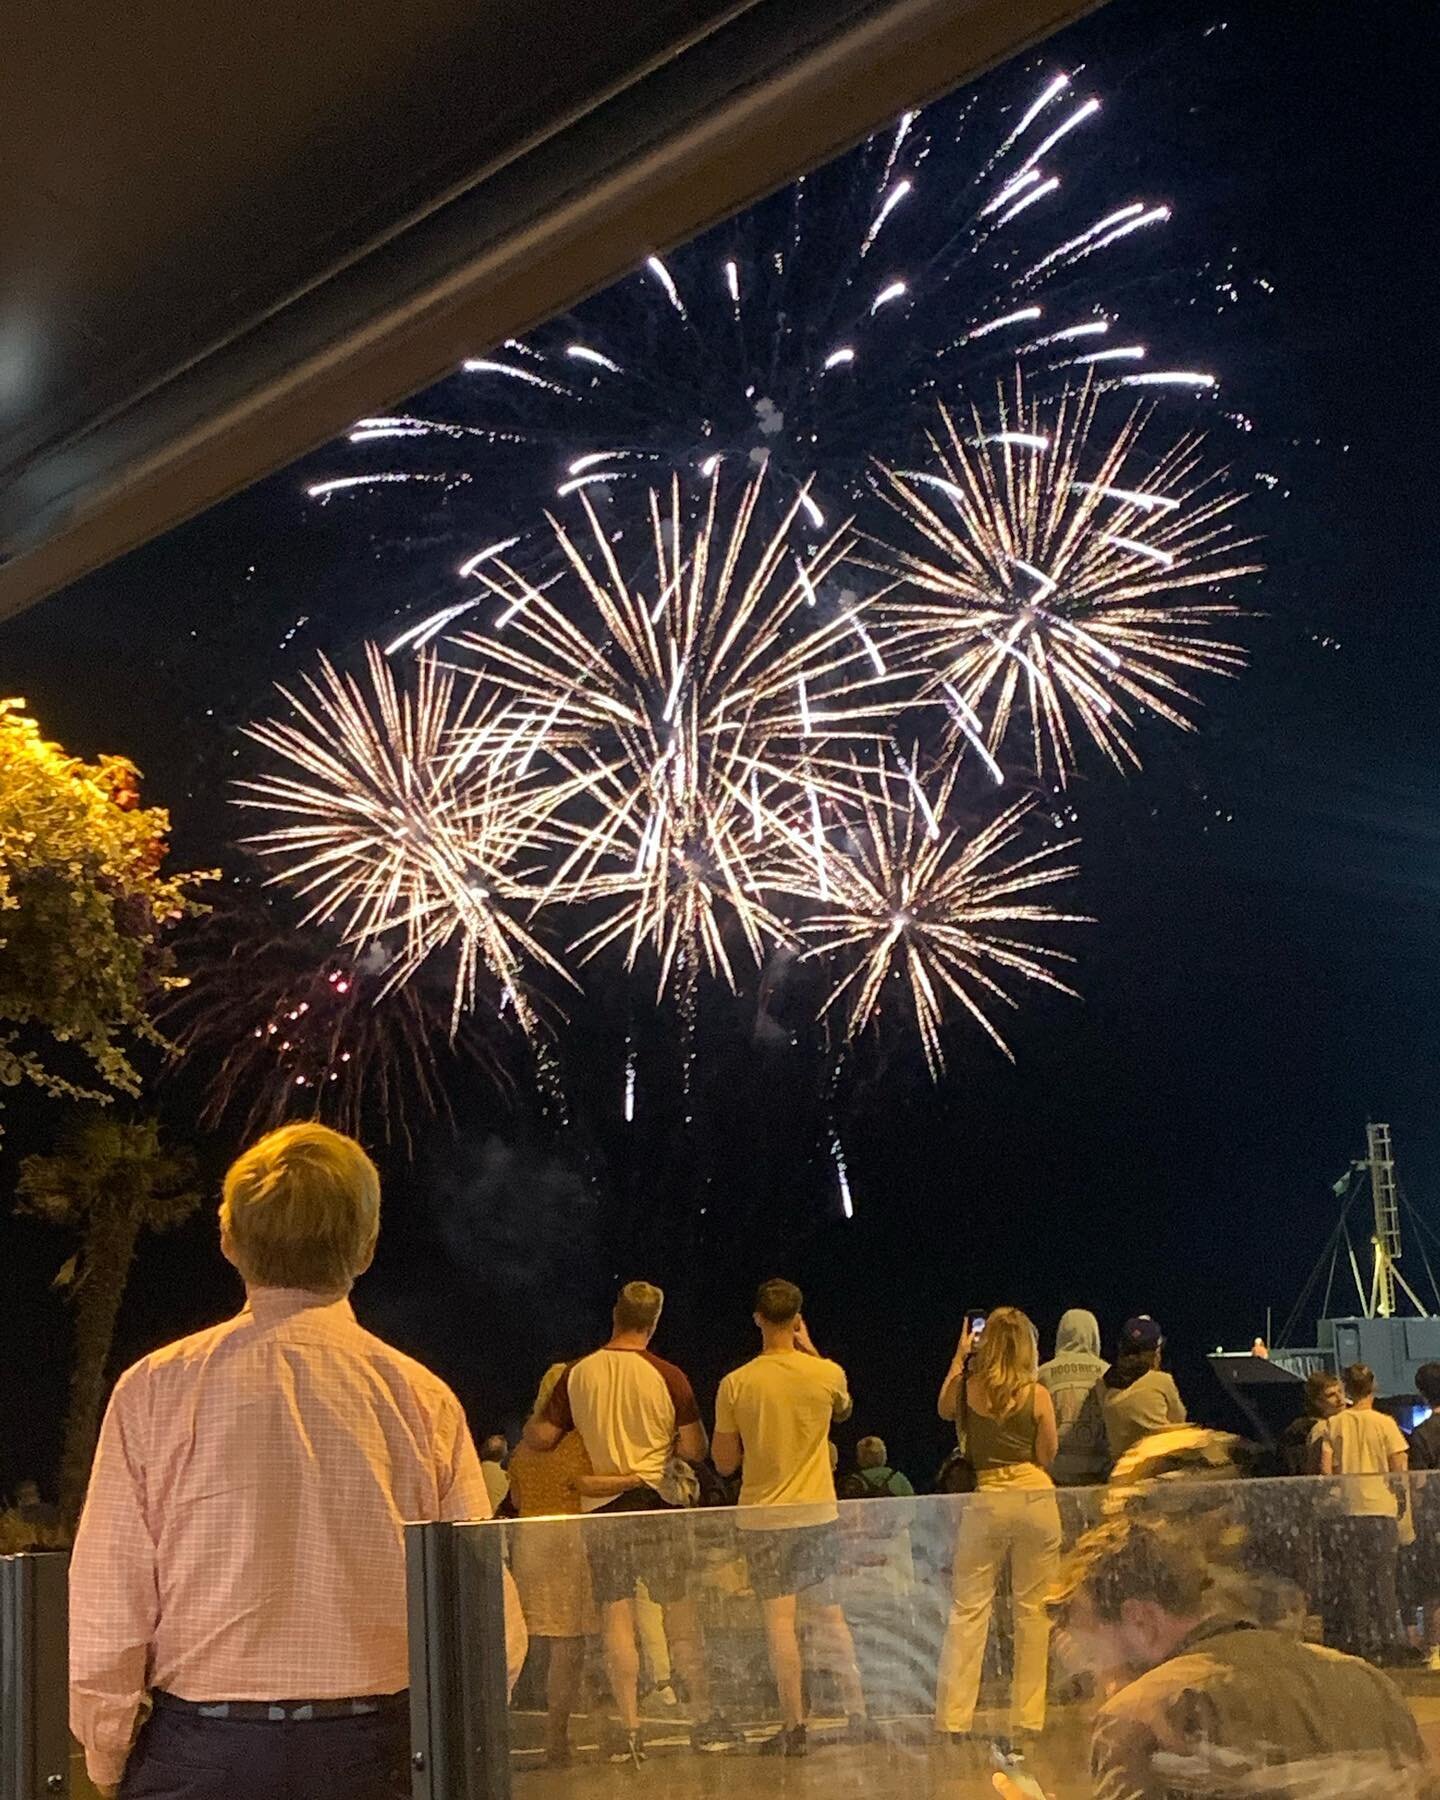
1074,1378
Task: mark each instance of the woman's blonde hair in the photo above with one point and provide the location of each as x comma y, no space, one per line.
1005,1364
549,1381
301,1209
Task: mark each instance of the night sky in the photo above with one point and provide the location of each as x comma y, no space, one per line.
1263,973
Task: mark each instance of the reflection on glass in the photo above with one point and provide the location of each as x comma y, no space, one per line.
1188,1609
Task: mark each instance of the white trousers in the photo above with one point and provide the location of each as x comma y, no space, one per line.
1014,1515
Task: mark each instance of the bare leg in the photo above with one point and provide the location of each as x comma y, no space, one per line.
687,1652
651,1622
567,1660
783,1642
838,1653
622,1661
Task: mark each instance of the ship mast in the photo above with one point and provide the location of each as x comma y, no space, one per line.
1385,1277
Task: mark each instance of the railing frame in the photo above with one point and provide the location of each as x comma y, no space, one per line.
459,1689
34,1676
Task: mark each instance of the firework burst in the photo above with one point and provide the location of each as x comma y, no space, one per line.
932,912
289,1027
1051,590
697,702
807,336
413,823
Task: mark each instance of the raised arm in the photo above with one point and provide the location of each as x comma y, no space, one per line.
948,1403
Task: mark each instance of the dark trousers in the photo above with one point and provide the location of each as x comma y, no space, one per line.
1360,1604
181,1756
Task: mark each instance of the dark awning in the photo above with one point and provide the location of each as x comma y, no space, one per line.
227,231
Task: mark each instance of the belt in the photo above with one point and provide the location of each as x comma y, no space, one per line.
277,1711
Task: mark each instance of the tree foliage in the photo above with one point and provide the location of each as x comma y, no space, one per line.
109,1181
84,909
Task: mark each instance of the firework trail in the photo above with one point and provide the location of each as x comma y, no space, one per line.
1059,578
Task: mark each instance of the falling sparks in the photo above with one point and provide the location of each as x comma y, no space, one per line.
842,1176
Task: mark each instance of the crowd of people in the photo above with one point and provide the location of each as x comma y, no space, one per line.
238,1581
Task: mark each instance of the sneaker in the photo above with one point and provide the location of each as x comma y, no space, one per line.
629,1747
713,1737
666,1694
789,1740
1433,1661
860,1730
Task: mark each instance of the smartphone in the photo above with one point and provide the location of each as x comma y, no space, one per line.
976,1322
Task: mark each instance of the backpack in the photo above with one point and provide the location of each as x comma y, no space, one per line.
855,1487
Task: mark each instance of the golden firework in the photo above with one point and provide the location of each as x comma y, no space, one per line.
1062,582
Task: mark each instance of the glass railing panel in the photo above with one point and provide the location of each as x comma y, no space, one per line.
663,1645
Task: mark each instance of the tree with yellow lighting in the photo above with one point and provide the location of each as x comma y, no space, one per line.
84,909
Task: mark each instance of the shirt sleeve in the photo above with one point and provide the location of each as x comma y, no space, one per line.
558,1411
464,1493
725,1407
682,1395
114,1591
1394,1437
841,1405
1174,1405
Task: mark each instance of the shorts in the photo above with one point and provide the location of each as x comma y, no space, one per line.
791,1562
652,1545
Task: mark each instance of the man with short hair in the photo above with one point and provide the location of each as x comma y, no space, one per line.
635,1412
1220,1707
237,1591
774,1417
1367,1449
874,1478
1324,1397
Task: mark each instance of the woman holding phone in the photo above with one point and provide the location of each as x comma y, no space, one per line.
1006,1421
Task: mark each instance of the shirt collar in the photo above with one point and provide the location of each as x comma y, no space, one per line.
273,1305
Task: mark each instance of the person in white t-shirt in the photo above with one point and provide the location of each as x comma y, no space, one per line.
774,1417
1367,1449
635,1413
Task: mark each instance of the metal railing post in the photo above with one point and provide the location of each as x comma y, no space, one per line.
34,1677
459,1702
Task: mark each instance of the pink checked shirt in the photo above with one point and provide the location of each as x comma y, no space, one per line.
242,1533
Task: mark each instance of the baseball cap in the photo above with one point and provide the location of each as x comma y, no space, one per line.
1141,1333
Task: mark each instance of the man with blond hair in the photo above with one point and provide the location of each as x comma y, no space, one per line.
237,1593
635,1414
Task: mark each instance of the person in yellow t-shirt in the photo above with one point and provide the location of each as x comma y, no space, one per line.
773,1417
